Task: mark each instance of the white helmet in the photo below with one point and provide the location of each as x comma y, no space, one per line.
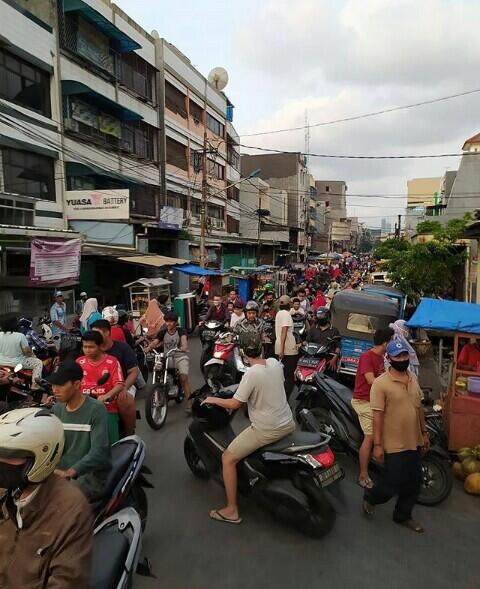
33,433
111,315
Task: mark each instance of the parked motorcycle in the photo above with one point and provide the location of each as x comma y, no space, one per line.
330,403
287,477
227,365
209,332
18,392
165,386
122,534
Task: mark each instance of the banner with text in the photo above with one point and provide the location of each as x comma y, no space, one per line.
98,204
54,262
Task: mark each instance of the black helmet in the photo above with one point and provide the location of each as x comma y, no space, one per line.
324,313
251,344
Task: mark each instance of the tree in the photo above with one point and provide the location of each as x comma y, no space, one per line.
389,247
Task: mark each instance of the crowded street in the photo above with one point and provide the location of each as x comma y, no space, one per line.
189,550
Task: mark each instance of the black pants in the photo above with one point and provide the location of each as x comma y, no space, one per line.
402,477
289,366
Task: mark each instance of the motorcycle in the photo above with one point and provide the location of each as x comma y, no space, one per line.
227,365
269,333
330,403
299,326
209,332
18,392
165,387
288,478
122,533
314,359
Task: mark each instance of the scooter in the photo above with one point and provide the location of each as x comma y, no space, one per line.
287,478
330,403
227,365
314,359
209,332
299,326
122,534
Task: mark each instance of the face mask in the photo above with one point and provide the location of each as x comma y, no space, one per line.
323,322
400,365
11,476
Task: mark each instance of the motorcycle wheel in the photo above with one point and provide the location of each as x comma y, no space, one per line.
194,461
138,500
437,480
156,407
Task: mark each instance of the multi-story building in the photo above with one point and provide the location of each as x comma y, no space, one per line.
264,221
334,194
95,111
286,171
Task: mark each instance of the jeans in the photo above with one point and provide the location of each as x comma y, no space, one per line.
402,477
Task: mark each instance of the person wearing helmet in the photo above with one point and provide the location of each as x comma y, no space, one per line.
251,323
45,520
262,389
86,455
323,334
116,332
173,337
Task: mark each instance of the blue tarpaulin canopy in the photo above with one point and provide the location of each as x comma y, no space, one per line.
447,316
196,270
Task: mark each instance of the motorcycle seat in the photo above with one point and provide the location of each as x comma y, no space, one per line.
122,455
106,572
295,442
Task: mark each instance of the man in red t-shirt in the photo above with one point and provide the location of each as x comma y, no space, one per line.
469,357
370,365
95,363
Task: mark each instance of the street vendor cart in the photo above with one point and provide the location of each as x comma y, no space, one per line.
141,291
462,403
250,283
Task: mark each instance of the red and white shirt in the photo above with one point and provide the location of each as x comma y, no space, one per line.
93,371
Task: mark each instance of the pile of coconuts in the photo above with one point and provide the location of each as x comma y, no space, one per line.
467,469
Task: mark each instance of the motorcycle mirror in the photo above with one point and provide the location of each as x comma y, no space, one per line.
17,368
103,379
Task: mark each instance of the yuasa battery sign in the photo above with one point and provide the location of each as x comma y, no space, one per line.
98,204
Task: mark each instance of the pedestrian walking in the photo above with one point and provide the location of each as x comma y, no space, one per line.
399,437
285,344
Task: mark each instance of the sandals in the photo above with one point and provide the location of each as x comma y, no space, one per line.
217,516
368,509
365,483
412,525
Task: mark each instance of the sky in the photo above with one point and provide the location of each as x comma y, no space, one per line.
331,59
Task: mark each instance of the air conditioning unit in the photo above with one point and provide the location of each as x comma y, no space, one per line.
195,219
218,223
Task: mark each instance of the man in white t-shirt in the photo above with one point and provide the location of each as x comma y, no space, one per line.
285,345
262,388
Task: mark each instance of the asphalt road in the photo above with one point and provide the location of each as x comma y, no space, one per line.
190,551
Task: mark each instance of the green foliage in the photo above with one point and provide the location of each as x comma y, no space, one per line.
451,231
389,247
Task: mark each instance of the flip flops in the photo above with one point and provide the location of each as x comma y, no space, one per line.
217,516
412,525
365,483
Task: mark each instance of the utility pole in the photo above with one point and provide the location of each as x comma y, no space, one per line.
203,205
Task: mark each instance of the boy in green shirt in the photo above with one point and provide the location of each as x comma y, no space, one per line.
86,456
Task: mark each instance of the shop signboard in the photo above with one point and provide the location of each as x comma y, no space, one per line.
97,205
171,218
54,262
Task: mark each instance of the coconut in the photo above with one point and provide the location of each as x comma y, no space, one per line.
470,465
458,471
472,484
465,453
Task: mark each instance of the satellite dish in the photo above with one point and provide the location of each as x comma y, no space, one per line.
155,34
218,78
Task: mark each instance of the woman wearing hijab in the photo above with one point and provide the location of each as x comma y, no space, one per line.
153,318
402,335
89,315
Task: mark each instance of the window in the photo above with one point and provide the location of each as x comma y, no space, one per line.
196,208
137,75
176,200
177,154
28,173
175,100
196,112
233,225
216,212
143,201
215,126
24,84
16,212
233,157
327,188
362,323
216,170
138,138
233,192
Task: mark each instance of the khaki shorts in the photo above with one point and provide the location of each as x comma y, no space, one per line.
365,415
252,439
182,365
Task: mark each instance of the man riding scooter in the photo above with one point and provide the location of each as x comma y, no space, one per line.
262,388
324,334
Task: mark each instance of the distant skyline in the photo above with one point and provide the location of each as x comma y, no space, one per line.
331,59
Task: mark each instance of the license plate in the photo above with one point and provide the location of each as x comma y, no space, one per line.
308,362
329,476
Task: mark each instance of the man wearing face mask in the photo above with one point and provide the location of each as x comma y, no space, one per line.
45,521
324,334
399,436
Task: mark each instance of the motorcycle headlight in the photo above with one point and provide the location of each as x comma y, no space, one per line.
300,376
217,354
309,378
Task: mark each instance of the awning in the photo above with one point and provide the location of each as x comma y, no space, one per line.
451,316
77,169
72,87
194,270
152,260
151,282
124,43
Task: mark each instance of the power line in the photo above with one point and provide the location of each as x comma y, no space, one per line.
365,115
